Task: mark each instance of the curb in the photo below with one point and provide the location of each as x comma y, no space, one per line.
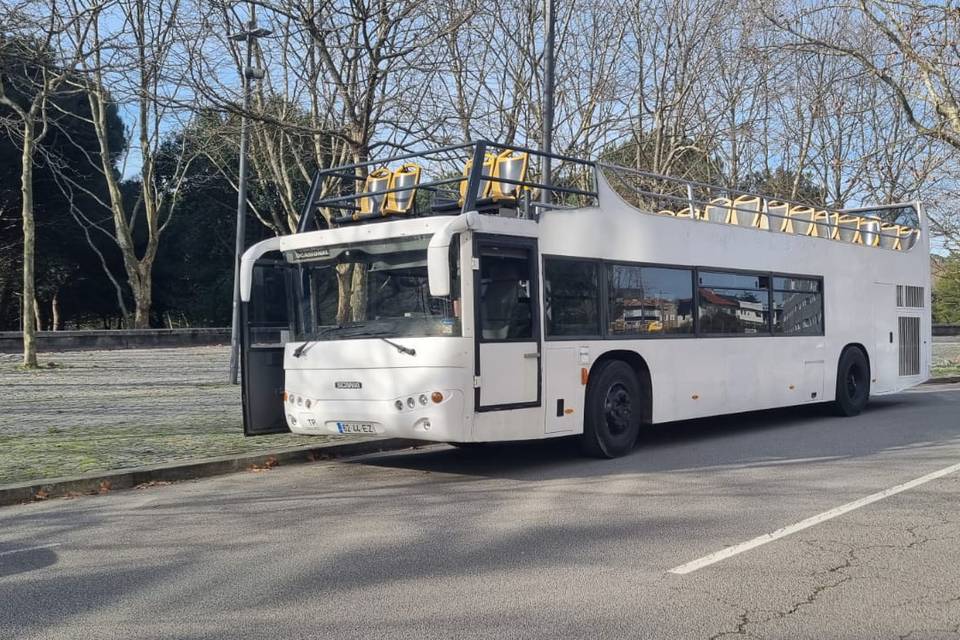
103,482
943,380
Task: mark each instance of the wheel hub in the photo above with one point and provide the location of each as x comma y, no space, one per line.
617,408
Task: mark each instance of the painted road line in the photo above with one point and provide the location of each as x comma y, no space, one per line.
43,546
723,554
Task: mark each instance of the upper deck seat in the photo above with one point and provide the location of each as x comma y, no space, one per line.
870,231
848,228
746,211
371,201
825,224
778,216
801,220
718,210
493,194
889,235
401,202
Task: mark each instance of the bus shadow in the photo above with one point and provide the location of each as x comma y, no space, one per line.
795,435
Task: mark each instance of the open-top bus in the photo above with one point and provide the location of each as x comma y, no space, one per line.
453,296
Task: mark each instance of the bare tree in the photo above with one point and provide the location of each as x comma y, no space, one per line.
33,67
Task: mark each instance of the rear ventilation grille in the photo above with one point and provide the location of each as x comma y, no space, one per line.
909,346
909,296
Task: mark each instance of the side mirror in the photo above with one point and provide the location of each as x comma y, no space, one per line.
438,270
438,253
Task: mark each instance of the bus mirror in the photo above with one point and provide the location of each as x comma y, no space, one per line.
438,270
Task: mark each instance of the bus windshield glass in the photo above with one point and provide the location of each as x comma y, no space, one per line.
372,290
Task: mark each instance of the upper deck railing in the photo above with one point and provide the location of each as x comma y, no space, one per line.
477,176
893,226
506,180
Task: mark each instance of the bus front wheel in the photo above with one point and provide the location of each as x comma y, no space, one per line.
853,383
613,411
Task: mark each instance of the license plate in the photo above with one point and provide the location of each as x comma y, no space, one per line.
357,427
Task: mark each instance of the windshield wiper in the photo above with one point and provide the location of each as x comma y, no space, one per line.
299,350
399,347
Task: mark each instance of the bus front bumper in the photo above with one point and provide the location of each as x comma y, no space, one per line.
442,421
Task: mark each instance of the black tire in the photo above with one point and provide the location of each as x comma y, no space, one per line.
612,412
853,383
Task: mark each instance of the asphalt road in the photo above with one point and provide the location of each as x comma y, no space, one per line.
523,541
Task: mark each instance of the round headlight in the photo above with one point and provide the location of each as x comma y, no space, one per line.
411,403
423,399
399,405
299,401
307,404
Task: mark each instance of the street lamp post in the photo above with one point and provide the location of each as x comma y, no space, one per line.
547,140
249,75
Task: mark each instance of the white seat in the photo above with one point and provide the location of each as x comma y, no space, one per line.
801,220
825,224
746,211
848,228
718,210
889,235
777,215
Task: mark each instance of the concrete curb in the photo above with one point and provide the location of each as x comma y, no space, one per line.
95,483
943,380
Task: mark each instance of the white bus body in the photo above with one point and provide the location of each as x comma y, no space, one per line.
487,385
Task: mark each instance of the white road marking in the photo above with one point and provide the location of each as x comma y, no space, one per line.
43,546
723,554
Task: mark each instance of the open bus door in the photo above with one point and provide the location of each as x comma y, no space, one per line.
264,330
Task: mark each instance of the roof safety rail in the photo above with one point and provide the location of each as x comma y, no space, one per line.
892,226
483,176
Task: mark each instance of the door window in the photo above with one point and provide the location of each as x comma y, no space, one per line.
506,295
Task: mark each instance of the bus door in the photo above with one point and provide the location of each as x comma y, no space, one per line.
264,330
507,322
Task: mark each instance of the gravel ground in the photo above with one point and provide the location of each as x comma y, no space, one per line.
104,410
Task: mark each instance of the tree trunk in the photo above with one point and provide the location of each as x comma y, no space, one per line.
358,293
55,312
344,282
29,244
36,314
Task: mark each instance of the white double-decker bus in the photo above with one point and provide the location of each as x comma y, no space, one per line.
451,296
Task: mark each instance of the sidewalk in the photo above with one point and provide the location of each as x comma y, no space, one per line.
100,411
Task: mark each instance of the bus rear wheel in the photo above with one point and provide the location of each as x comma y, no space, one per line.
613,411
853,383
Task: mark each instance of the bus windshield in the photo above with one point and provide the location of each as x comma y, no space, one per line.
373,290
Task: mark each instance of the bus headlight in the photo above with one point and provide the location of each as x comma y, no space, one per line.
411,402
423,399
399,405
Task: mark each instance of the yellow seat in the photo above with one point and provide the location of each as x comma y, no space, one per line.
407,177
667,212
511,165
746,211
489,163
889,235
371,201
718,210
687,212
801,220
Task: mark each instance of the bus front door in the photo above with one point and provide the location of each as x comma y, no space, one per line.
264,328
508,324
